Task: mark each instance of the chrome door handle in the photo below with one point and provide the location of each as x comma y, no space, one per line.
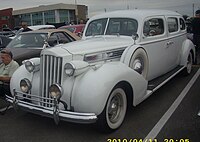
170,42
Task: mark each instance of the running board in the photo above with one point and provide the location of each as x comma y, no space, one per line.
156,83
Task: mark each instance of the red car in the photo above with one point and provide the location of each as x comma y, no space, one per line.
77,29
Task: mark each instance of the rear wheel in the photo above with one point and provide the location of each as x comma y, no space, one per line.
188,67
114,112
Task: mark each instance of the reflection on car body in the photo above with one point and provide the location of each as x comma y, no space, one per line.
4,41
123,57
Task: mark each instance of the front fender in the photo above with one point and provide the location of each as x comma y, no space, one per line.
18,75
22,73
91,90
187,47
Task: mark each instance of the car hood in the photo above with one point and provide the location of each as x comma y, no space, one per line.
97,44
20,54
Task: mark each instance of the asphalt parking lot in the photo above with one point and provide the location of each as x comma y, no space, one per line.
155,119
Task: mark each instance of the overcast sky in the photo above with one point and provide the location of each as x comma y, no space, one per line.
184,7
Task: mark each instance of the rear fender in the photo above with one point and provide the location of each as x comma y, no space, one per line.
187,47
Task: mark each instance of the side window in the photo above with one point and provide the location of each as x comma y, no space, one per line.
122,26
153,27
62,38
182,24
1,42
172,24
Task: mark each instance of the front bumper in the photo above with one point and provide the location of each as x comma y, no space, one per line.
52,112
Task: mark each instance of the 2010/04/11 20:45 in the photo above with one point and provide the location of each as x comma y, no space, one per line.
147,140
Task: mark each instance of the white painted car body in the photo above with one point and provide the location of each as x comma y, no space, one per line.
102,62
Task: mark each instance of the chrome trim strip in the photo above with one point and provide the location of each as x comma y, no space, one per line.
168,79
111,54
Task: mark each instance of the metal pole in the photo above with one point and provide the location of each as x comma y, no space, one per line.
76,11
193,9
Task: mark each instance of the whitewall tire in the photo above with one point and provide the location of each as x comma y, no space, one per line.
188,68
114,112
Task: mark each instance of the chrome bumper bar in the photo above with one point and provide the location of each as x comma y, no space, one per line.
52,112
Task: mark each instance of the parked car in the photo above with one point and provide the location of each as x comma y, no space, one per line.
29,44
77,29
35,27
7,32
4,41
123,57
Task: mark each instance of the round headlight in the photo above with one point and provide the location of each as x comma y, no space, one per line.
25,85
55,90
69,69
30,66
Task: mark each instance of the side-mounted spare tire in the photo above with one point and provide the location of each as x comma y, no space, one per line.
139,62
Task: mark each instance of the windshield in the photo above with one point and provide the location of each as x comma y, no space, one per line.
116,26
28,40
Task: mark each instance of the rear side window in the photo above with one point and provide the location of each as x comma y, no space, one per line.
182,24
172,24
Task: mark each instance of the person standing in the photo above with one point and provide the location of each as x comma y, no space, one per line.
25,27
196,29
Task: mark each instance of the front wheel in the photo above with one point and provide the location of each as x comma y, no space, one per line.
114,112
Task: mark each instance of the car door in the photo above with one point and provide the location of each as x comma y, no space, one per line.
177,34
154,40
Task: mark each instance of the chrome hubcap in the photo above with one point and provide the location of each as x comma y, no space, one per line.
114,108
138,65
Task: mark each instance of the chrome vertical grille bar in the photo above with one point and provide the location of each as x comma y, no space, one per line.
51,73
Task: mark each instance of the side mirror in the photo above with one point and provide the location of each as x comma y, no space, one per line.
80,34
135,37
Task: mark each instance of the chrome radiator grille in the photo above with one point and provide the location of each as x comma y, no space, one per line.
51,72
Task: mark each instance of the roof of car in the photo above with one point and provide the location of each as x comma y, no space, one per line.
137,13
79,25
38,27
49,31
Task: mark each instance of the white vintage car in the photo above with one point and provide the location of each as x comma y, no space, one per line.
123,58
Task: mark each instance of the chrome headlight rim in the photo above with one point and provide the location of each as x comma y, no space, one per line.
56,91
30,66
25,85
69,69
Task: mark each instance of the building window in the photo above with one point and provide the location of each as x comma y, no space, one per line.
37,18
27,18
64,15
49,16
5,17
